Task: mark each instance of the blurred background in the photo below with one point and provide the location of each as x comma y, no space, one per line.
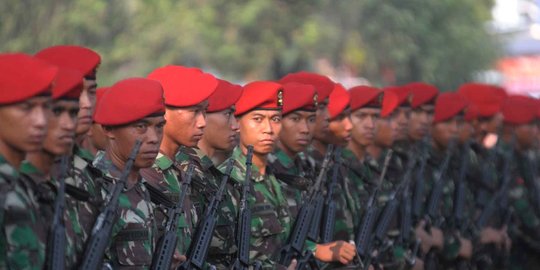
378,42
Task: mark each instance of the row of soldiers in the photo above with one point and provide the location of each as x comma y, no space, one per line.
183,170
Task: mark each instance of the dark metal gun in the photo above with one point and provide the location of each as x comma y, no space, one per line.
102,230
318,201
56,240
162,258
304,221
243,229
198,249
329,212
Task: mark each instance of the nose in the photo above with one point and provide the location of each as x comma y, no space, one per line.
201,120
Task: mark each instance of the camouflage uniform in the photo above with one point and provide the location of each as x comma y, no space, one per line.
134,233
344,225
21,241
525,230
205,183
45,191
270,220
166,175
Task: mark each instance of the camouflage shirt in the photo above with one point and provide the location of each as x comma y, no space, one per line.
21,241
134,233
166,176
270,220
205,183
45,191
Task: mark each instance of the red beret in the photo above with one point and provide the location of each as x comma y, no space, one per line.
297,96
99,94
184,86
422,93
338,100
403,94
69,84
129,100
23,76
323,85
224,97
76,57
487,98
519,110
362,96
390,102
260,95
448,105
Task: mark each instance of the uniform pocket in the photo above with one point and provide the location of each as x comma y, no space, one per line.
133,246
265,221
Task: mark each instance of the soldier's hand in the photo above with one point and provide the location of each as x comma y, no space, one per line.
338,251
489,235
466,248
419,264
424,236
507,242
177,259
292,266
437,237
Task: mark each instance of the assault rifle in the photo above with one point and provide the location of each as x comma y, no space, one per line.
166,245
329,213
363,236
102,230
56,241
304,221
318,200
198,249
243,229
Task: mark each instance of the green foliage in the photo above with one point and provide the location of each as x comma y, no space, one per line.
389,41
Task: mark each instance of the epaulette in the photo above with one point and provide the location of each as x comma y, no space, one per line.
157,197
293,180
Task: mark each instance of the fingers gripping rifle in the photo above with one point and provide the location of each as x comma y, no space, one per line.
304,222
243,229
162,258
329,213
102,230
198,249
56,240
363,236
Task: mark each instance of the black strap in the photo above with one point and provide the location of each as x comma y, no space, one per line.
157,197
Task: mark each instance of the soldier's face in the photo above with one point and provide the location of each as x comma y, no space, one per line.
364,121
322,122
385,132
401,118
297,130
148,130
526,135
340,129
97,136
62,126
466,132
444,132
87,102
221,130
24,125
185,125
420,122
260,128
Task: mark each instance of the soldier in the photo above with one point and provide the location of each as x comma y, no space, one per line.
453,245
259,116
25,83
186,93
298,123
520,133
58,142
80,175
96,140
134,233
219,137
422,106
